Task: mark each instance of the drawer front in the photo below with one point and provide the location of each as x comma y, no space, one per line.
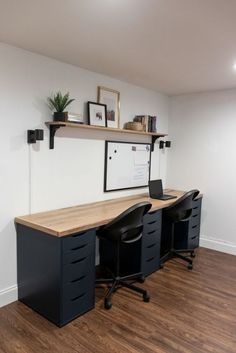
152,216
194,230
80,252
78,240
194,220
151,241
81,266
152,221
196,204
150,265
152,250
196,211
193,242
151,237
78,287
78,275
187,232
77,306
152,226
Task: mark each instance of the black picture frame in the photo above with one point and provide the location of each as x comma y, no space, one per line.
105,165
91,118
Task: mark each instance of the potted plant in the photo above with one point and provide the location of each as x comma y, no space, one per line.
58,103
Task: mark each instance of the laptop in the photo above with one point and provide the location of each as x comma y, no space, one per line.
156,191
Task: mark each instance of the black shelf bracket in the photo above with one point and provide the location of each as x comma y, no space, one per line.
53,129
154,138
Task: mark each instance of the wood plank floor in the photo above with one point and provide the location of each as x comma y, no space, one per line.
189,312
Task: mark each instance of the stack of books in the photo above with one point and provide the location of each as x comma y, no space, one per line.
148,122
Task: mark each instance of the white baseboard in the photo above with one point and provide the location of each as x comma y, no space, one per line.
218,244
8,295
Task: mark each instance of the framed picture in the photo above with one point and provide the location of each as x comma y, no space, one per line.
97,114
112,100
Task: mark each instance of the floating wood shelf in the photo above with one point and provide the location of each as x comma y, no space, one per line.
55,125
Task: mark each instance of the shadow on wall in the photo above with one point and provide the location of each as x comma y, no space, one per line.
44,111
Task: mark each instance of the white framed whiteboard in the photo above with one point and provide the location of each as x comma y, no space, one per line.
127,165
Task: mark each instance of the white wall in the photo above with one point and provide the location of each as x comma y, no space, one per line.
34,178
203,156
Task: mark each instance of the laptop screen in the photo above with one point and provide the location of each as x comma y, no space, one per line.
155,187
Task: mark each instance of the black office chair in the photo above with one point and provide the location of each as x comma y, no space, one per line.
180,210
123,230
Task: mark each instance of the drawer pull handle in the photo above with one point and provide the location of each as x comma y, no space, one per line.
78,297
194,226
79,247
77,235
77,279
153,231
77,261
152,222
194,237
149,260
195,215
151,246
195,208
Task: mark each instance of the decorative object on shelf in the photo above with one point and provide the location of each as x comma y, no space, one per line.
58,102
75,118
35,135
148,122
111,98
131,125
163,144
97,114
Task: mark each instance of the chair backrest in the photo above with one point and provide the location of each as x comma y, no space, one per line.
182,208
128,226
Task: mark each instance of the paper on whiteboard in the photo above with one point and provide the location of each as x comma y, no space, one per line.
141,174
140,155
140,158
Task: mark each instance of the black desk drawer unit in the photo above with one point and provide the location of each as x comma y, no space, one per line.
151,242
56,276
187,233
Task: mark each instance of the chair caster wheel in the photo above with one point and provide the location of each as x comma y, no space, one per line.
141,279
146,297
190,266
193,254
107,304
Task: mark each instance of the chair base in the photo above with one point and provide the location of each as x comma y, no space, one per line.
120,282
177,254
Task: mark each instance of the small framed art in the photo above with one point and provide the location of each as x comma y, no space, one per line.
111,98
97,114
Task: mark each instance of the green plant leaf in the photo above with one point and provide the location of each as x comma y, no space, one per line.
59,102
69,102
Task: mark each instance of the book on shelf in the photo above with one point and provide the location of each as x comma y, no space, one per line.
148,122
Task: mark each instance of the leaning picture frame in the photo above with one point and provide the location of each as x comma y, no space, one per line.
111,98
97,114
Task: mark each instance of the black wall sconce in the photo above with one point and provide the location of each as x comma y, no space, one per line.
35,135
163,144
